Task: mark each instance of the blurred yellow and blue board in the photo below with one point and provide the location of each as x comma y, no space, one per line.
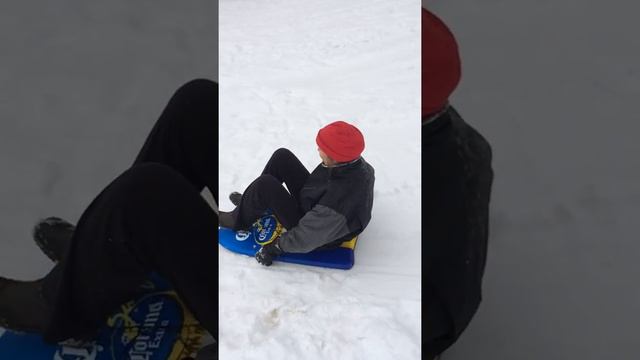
156,326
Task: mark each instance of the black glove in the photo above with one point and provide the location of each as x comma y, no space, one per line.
267,253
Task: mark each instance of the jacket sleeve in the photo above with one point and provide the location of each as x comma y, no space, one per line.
320,226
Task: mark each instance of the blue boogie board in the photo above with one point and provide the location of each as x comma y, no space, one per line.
156,326
267,228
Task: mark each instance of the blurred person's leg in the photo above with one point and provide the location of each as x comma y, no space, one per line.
110,253
184,137
150,219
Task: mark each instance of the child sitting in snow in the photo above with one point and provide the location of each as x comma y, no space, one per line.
320,209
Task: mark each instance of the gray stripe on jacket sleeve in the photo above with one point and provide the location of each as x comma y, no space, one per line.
320,226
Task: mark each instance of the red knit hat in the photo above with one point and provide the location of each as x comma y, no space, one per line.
341,141
440,63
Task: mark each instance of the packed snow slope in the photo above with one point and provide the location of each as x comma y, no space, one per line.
288,68
554,87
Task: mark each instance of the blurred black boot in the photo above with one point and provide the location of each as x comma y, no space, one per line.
22,306
53,236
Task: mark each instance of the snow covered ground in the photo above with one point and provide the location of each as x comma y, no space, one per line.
288,68
554,86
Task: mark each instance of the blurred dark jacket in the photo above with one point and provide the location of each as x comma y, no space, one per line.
337,204
456,187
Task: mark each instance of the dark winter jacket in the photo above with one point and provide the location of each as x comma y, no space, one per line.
456,186
336,202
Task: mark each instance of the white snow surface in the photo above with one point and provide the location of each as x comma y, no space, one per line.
287,68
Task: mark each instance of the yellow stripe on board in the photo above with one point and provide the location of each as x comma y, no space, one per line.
351,244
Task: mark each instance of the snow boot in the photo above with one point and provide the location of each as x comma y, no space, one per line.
235,198
22,306
226,219
53,236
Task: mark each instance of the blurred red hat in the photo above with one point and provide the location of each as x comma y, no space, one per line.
341,141
440,63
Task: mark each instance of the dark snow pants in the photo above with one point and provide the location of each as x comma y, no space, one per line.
267,192
152,218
